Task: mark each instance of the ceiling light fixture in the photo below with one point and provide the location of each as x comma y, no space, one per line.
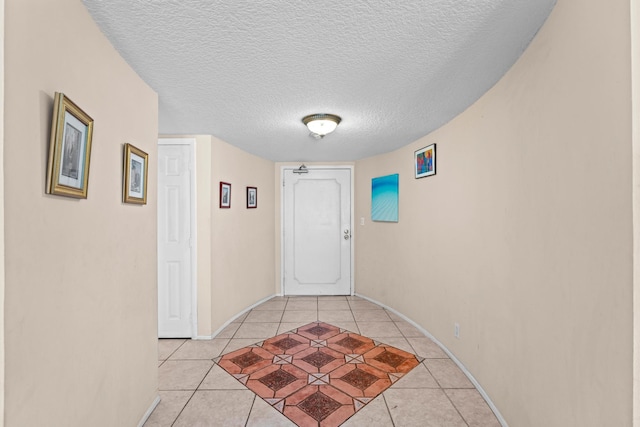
321,124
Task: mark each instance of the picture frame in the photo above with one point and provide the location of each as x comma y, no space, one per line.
69,149
225,195
385,198
424,161
252,197
136,172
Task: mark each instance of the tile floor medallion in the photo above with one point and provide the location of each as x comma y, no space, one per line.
318,375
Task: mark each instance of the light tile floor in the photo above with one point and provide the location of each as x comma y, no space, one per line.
197,392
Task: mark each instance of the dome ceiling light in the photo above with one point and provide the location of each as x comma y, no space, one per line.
321,124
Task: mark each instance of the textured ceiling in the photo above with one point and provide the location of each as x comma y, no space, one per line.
247,71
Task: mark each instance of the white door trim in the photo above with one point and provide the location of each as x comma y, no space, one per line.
191,142
353,234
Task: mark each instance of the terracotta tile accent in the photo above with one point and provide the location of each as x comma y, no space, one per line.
277,379
359,379
390,359
357,384
319,405
318,375
287,343
265,383
318,359
300,359
350,343
318,331
247,359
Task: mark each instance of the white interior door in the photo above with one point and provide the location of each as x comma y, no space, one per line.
174,241
317,232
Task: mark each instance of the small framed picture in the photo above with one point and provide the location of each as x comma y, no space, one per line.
69,149
134,180
425,161
225,195
252,197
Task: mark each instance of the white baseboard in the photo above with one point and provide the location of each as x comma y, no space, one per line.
147,414
230,321
475,382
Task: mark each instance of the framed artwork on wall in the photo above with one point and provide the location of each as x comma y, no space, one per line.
384,198
69,149
424,161
252,197
225,195
134,179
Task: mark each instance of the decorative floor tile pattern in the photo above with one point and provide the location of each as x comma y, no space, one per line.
197,391
318,375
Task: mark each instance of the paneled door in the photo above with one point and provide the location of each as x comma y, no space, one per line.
317,232
174,242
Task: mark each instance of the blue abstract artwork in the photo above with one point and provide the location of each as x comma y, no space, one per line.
384,198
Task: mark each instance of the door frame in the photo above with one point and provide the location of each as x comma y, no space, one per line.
191,142
352,213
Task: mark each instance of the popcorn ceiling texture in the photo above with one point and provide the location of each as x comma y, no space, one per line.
248,71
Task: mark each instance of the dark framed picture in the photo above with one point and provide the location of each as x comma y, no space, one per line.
425,161
134,179
252,197
69,149
225,195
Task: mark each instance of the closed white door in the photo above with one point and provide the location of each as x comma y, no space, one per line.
317,232
174,241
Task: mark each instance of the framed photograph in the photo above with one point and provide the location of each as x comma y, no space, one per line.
425,161
252,197
384,198
225,195
69,149
134,180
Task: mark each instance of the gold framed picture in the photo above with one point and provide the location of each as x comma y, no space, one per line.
69,149
134,181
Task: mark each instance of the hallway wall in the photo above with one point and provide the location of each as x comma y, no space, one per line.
524,235
80,308
242,240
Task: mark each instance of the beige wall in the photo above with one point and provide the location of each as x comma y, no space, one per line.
242,256
524,236
2,270
204,194
635,81
80,314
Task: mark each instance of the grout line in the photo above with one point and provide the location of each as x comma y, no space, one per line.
386,404
184,406
433,376
173,352
455,407
251,409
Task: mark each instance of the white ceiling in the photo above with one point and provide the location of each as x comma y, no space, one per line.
247,71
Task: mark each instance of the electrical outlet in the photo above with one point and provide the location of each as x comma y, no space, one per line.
456,330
